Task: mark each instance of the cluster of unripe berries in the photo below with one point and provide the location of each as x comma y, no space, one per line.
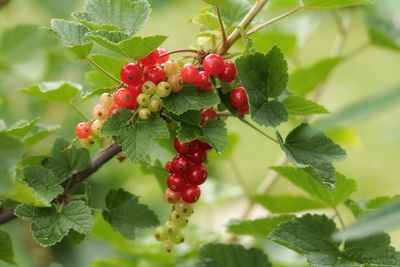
170,234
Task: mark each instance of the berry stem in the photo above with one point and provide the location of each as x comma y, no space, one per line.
257,7
341,221
79,111
178,51
258,130
269,22
100,68
221,24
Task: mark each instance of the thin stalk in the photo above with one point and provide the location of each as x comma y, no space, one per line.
341,221
178,51
258,130
221,24
79,111
269,22
238,175
100,68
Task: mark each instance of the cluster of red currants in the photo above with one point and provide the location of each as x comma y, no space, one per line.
239,101
187,171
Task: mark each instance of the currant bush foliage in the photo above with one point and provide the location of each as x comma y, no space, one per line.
42,185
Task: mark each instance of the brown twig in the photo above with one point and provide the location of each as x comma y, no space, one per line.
97,161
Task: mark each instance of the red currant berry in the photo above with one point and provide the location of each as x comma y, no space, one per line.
163,59
172,196
83,130
229,72
191,193
168,166
204,83
213,64
198,156
190,74
176,182
150,60
244,110
181,148
113,110
199,145
125,98
180,164
131,74
238,97
155,74
197,175
208,114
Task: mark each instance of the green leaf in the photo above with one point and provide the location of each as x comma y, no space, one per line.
72,35
304,180
50,225
137,137
124,213
190,99
306,146
65,159
6,248
126,15
11,150
321,4
266,39
233,11
287,204
25,194
21,128
372,251
223,255
43,182
309,236
208,21
134,47
298,105
214,132
264,76
271,113
384,218
97,80
382,31
38,133
378,202
158,170
62,92
305,80
259,227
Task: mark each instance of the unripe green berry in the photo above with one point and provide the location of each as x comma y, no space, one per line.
182,223
107,100
155,104
184,208
161,233
143,100
96,126
177,238
163,89
171,68
87,143
144,113
171,227
168,246
149,88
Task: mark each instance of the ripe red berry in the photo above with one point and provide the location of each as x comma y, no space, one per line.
238,97
125,98
131,74
229,72
190,74
213,64
83,130
150,60
199,145
198,156
155,74
191,193
168,166
208,114
113,110
172,196
181,148
176,182
163,59
197,175
244,110
204,83
180,164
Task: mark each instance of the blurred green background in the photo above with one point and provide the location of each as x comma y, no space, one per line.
29,55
